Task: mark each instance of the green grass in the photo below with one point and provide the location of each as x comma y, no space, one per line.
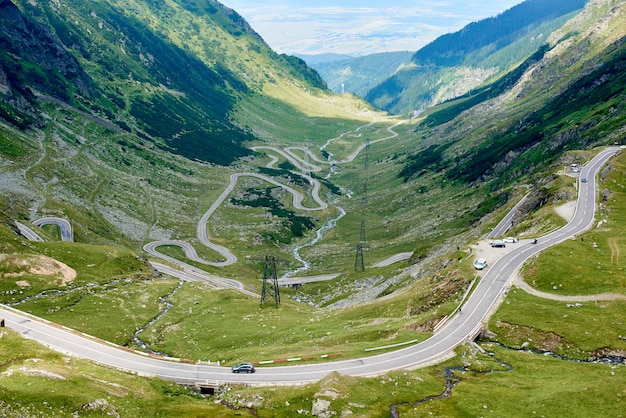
572,329
35,381
12,144
592,263
201,324
93,264
536,386
112,312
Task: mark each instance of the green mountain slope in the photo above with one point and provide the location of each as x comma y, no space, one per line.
570,95
134,99
455,63
168,83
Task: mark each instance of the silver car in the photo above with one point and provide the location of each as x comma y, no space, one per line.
480,263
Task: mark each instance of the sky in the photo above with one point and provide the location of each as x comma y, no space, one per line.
362,27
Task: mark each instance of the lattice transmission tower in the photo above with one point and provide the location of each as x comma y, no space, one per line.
359,264
363,240
270,281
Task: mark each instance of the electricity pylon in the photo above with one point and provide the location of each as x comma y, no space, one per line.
359,264
270,281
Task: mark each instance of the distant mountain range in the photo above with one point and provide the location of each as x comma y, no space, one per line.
567,95
451,65
358,75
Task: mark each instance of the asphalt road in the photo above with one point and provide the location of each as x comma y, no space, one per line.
393,259
67,233
28,233
506,222
459,329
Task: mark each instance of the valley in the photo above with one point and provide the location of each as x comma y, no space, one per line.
458,328
182,151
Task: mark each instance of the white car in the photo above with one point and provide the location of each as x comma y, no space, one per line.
510,239
480,263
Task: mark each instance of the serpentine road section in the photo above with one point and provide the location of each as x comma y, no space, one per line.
298,198
67,233
190,252
457,330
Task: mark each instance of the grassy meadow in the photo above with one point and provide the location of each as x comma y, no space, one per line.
594,262
40,382
35,381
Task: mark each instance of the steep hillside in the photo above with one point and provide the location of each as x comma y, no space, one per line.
455,63
134,99
570,95
121,61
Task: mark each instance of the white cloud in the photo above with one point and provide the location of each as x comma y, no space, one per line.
360,27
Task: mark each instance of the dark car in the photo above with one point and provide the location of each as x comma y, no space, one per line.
498,243
243,368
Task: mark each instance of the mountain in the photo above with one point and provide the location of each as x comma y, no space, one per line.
121,93
359,75
317,59
117,60
568,95
455,63
99,100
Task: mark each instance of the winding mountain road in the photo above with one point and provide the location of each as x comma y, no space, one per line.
457,330
67,232
297,202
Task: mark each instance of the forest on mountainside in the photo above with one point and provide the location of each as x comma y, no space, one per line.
458,62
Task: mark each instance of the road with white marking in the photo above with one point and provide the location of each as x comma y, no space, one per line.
459,329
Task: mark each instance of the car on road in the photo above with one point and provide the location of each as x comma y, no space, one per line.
480,263
498,243
584,180
510,239
243,368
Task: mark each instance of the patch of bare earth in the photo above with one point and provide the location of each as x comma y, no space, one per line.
427,326
567,210
444,288
37,265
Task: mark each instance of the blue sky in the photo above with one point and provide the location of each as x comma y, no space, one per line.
360,27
